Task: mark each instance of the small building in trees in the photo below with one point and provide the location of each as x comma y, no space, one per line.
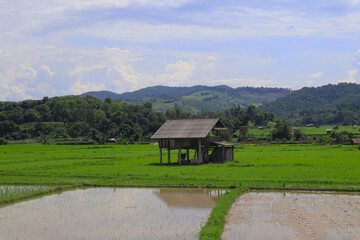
208,137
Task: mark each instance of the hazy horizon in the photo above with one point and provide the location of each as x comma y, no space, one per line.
52,48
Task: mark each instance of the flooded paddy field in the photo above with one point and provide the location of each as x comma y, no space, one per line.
292,215
110,213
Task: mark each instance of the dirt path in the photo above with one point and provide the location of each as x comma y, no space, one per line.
278,215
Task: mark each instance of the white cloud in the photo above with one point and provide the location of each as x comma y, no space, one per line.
46,71
356,58
251,82
352,3
316,75
352,76
85,4
19,91
125,78
80,87
117,50
180,70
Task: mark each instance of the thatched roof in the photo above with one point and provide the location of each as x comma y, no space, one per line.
187,128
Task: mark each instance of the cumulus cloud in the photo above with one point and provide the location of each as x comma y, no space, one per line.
126,78
180,70
80,87
80,45
46,72
352,76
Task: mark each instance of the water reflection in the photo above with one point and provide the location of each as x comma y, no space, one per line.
105,213
190,198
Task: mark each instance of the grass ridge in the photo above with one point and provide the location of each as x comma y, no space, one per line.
216,222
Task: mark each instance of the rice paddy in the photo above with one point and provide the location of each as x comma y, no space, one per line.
327,167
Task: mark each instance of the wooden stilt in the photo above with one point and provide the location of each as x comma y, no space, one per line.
168,155
199,152
179,155
232,158
187,154
223,154
160,155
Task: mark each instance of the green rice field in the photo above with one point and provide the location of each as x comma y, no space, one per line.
309,130
328,167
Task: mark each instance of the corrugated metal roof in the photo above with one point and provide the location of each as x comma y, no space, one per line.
356,140
187,128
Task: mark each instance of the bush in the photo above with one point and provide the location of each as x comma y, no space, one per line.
3,141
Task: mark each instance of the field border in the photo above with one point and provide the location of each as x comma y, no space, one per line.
35,194
215,224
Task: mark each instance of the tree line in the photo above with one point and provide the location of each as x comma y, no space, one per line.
91,119
78,117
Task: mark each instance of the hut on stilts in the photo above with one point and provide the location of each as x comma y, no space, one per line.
205,136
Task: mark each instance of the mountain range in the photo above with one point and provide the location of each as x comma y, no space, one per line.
197,98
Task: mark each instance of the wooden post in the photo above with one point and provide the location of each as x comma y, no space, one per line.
168,155
160,155
223,154
187,154
233,153
199,152
179,156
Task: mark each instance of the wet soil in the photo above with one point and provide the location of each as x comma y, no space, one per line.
280,215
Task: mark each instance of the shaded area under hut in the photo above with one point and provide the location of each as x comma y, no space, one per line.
205,136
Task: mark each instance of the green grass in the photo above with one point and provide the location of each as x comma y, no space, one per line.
322,129
307,130
216,222
7,192
269,167
11,194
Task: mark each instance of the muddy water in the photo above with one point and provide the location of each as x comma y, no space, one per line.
105,213
278,215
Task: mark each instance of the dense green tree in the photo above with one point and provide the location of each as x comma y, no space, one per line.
281,131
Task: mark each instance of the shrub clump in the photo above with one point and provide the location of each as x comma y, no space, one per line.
3,141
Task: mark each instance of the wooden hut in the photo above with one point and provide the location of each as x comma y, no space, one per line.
203,135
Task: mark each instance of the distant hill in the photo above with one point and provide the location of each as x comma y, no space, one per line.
327,104
197,98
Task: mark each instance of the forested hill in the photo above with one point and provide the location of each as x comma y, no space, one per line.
330,104
197,98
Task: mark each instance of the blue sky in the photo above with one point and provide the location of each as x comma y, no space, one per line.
54,48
